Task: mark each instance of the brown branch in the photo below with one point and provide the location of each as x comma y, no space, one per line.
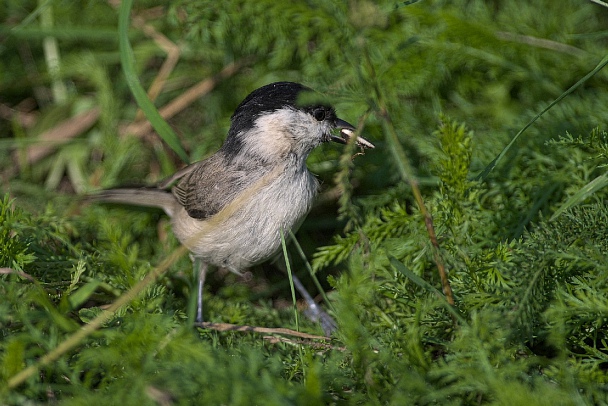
428,222
314,344
25,119
62,132
7,271
262,330
406,174
173,54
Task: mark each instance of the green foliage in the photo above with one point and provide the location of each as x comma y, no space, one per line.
439,86
555,255
14,251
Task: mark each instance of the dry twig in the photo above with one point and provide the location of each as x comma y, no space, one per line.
262,330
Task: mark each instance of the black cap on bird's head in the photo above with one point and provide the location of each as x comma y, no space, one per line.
265,99
279,95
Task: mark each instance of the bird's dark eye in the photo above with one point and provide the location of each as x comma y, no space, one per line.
319,114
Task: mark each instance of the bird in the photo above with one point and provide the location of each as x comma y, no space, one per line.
231,208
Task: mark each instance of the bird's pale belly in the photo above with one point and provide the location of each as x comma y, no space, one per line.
239,238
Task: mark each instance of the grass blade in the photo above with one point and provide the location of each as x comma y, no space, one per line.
586,191
312,274
426,286
128,65
484,174
293,291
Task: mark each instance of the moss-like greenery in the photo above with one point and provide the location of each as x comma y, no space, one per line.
441,88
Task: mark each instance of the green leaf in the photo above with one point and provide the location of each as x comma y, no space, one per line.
82,294
13,359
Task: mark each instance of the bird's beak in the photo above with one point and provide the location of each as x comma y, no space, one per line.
346,132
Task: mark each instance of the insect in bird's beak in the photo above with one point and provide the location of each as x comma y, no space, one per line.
347,134
347,131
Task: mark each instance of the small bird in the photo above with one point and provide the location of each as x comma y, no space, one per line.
230,209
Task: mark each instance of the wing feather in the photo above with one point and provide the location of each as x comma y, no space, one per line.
213,183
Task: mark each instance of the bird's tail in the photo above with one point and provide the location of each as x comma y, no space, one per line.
148,197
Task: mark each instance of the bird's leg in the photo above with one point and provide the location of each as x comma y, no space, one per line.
314,312
200,272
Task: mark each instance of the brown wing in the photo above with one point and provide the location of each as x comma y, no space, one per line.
211,184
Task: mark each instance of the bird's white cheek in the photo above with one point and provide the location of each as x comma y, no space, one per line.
270,136
268,144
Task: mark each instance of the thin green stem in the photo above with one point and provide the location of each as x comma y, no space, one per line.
293,291
310,271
